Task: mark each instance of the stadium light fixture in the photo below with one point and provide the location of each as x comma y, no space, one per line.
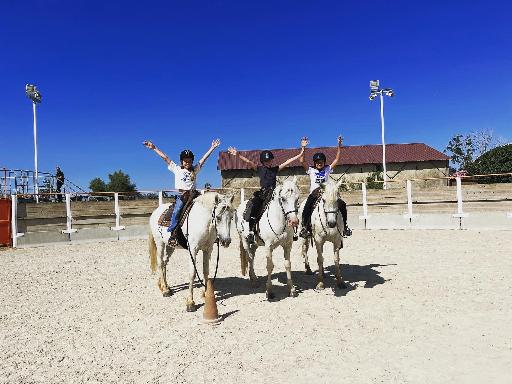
375,91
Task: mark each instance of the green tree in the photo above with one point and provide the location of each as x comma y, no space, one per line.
461,149
97,185
120,182
497,160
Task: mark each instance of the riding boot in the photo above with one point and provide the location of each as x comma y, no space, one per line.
252,229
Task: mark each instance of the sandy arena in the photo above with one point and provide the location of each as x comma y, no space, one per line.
422,307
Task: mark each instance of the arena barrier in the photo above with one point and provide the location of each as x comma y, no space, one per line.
362,213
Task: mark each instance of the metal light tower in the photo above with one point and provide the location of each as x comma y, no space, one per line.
34,95
374,91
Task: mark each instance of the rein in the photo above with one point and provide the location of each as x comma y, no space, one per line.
218,250
326,212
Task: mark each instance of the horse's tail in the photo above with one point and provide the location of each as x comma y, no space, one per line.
243,257
152,252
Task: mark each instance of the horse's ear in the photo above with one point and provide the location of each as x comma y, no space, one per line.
217,198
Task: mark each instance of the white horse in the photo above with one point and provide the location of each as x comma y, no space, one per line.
327,225
209,219
276,229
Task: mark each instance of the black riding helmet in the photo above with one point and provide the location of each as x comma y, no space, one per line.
319,156
186,154
266,156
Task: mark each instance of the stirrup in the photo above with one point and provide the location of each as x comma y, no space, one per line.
250,237
173,239
305,233
347,232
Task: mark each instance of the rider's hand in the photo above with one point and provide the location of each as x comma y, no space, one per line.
148,144
340,141
232,151
215,143
304,142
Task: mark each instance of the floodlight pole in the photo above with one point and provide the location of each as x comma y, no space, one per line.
374,91
36,176
383,142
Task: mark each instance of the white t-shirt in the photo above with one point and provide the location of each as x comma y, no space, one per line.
318,176
183,178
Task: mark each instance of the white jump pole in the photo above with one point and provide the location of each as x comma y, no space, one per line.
160,198
242,194
69,217
460,213
365,204
118,227
409,214
14,226
14,221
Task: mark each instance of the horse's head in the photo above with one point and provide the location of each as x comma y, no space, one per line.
330,201
288,195
222,216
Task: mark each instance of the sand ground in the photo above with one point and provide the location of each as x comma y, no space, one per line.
421,307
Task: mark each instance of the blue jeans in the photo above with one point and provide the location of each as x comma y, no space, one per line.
175,214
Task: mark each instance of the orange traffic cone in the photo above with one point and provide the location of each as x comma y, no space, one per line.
210,314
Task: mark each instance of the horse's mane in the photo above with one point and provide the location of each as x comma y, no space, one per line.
331,190
207,199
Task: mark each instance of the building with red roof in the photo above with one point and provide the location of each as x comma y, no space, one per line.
357,163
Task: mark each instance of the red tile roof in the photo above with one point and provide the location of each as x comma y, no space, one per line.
351,155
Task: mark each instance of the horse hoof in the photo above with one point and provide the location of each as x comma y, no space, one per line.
191,307
320,286
270,296
167,293
293,293
308,270
341,285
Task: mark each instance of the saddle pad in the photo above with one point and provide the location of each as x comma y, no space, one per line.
165,217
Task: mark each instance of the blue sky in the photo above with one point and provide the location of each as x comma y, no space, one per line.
256,74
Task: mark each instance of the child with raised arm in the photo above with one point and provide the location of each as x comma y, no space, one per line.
267,173
184,178
318,174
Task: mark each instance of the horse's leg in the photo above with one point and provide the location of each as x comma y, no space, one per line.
270,267
320,259
305,247
206,269
339,281
288,266
162,281
191,305
252,275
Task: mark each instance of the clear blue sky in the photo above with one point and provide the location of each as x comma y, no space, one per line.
256,74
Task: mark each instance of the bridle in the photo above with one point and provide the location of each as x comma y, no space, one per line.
285,213
336,212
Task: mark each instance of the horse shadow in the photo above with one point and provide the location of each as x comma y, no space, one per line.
352,275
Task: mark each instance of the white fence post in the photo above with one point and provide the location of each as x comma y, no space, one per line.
14,226
14,221
118,227
409,214
242,194
460,212
69,217
160,198
365,204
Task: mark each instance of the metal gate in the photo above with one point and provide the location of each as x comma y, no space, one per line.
5,222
